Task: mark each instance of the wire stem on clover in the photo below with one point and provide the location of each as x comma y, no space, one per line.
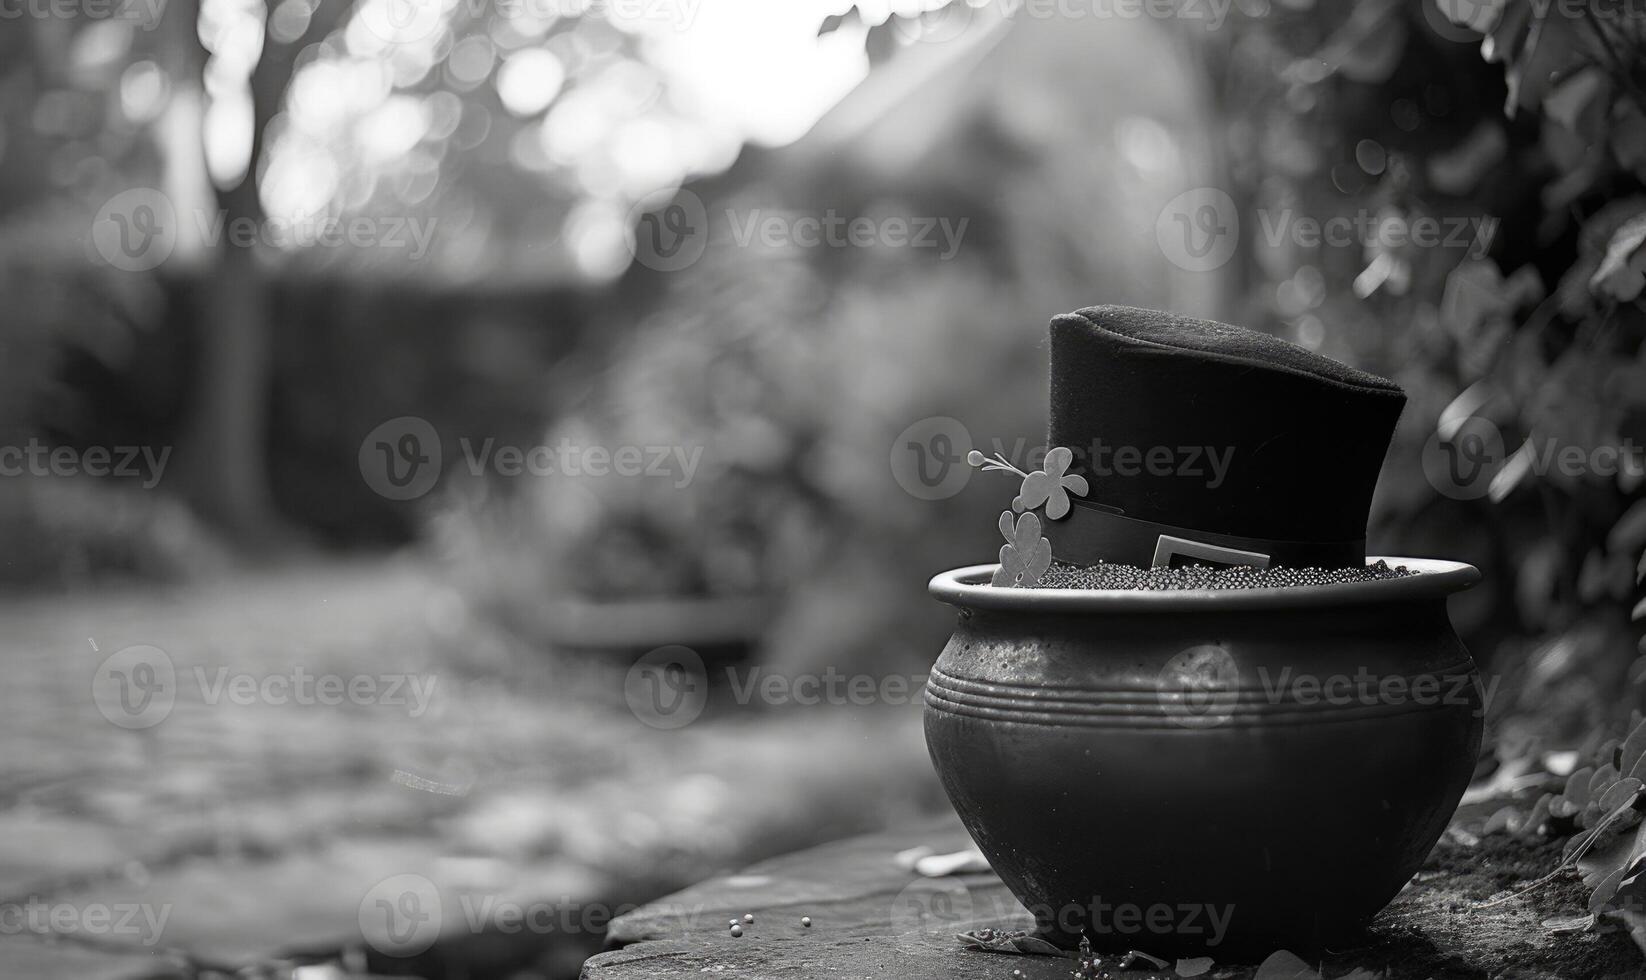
995,462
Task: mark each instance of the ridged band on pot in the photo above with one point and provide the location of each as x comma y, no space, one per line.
1285,756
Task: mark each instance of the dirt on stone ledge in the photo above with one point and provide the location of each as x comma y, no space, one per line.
1436,929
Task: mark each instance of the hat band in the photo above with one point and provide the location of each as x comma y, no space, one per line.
1089,535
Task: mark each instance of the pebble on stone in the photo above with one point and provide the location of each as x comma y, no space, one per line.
806,921
737,932
1106,576
748,919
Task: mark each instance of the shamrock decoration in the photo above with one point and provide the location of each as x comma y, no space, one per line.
1051,486
1026,555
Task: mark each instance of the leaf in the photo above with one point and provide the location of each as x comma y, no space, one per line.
1004,941
1551,52
1579,103
1569,926
1477,15
1622,792
1505,38
1537,818
1194,966
1602,780
1622,272
1577,785
1037,488
1285,965
1006,524
1368,46
1632,750
1461,168
1057,505
1513,470
1629,137
1605,891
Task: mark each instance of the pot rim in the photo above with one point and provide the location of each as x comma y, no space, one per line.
1436,578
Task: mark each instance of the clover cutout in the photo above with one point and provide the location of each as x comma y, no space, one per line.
1051,486
1026,555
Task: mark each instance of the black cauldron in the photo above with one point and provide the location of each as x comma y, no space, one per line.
1205,772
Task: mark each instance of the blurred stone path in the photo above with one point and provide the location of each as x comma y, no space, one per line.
481,811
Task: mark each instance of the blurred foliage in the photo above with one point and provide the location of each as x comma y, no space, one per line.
1526,114
794,369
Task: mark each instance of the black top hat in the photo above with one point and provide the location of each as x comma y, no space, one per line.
1202,442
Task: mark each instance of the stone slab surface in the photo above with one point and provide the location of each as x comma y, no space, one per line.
873,919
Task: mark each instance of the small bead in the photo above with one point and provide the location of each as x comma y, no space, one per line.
748,919
806,921
737,932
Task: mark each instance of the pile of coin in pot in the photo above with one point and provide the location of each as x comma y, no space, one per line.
1107,576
